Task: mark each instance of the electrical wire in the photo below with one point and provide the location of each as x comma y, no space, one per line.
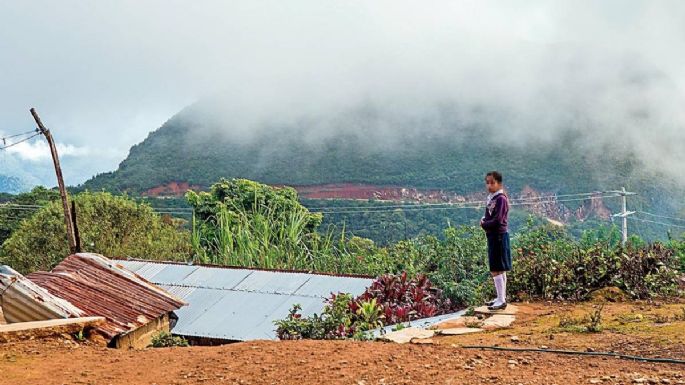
545,199
579,353
21,134
660,216
656,222
470,205
21,141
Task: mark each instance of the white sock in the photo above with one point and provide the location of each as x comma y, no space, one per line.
504,287
499,287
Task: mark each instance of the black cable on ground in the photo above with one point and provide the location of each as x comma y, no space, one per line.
574,352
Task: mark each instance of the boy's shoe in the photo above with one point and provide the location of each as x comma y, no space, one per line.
498,307
491,303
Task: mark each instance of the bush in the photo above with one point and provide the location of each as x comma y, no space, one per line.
165,339
549,264
403,300
389,300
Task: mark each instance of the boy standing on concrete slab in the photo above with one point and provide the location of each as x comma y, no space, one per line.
495,225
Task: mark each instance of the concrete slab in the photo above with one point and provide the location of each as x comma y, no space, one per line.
38,329
461,322
406,335
20,326
498,321
510,310
459,331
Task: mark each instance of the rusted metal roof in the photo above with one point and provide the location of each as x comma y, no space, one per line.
100,287
23,301
241,303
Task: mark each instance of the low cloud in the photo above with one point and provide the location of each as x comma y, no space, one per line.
105,74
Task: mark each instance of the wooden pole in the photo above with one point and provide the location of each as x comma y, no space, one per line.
60,182
77,235
624,214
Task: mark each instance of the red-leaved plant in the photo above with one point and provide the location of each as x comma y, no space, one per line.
403,299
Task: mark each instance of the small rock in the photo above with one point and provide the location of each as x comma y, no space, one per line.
513,362
515,339
544,347
595,381
589,349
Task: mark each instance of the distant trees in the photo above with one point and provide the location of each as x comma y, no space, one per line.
23,206
115,226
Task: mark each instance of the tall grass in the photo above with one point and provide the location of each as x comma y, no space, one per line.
266,237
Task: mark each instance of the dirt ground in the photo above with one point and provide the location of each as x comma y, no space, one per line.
634,328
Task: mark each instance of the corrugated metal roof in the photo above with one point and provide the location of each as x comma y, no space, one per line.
237,303
23,301
101,288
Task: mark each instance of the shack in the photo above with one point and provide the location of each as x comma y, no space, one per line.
88,285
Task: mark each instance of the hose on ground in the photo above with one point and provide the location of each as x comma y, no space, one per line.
575,352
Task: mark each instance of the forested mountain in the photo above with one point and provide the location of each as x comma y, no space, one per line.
191,150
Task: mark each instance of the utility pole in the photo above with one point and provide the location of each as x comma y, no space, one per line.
60,182
624,214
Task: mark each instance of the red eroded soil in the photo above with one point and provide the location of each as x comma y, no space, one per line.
365,191
171,189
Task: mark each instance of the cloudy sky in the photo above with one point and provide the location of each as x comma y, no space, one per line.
104,74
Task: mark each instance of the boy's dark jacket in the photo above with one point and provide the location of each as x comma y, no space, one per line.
496,215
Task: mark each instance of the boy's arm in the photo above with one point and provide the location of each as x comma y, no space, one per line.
497,216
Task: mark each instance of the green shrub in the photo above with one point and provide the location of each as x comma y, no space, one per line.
549,264
165,339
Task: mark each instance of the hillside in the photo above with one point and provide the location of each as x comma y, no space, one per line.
12,184
193,151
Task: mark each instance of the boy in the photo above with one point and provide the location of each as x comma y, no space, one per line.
495,225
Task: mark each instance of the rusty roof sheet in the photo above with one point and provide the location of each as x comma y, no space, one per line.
22,300
100,287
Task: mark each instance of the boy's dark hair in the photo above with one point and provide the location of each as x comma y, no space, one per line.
496,175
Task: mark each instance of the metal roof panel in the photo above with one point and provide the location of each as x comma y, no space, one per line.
270,282
322,286
216,278
242,304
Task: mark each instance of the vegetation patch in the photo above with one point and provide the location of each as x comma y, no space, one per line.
165,340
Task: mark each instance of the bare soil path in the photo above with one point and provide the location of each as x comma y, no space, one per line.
66,361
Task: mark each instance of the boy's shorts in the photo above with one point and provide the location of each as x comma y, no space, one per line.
499,253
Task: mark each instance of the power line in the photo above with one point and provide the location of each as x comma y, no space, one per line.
21,134
467,205
656,222
515,201
661,216
543,199
21,141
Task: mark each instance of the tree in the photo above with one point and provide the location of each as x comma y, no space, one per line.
115,226
242,195
11,216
